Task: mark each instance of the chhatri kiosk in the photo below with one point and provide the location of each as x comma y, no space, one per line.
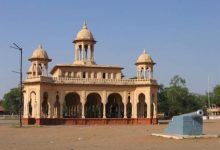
88,93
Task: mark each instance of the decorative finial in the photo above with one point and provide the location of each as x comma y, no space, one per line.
84,25
145,51
40,46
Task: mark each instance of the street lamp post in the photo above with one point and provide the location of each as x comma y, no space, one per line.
21,93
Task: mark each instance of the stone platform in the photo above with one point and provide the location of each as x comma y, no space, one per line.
178,137
88,121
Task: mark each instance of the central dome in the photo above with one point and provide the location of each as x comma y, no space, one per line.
84,33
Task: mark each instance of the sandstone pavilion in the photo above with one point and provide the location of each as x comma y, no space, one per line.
88,93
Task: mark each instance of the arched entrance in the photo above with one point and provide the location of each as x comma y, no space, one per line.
141,106
45,107
72,107
93,106
31,105
114,106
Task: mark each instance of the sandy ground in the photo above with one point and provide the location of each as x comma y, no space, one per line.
117,137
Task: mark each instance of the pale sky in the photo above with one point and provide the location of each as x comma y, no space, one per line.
182,36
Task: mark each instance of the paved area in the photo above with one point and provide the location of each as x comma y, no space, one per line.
121,137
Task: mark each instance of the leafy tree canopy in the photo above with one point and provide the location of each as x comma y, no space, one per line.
11,101
176,99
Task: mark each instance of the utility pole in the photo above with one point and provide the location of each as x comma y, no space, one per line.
209,107
21,93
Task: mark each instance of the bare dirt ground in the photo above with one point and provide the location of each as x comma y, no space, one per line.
95,137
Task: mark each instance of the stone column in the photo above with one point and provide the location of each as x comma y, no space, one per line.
83,50
89,52
83,110
61,100
50,110
149,109
92,53
125,103
125,110
155,106
134,105
37,66
38,107
104,110
104,101
83,101
145,72
26,105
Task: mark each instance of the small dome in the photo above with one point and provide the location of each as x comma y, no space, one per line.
84,33
144,58
39,53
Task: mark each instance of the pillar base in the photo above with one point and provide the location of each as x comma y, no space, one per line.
28,121
155,121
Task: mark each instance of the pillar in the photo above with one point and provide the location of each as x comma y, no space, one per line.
89,52
134,105
104,110
125,103
36,68
83,110
25,105
104,101
83,50
92,53
145,72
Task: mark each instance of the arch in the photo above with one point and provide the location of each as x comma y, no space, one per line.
57,107
129,107
72,106
45,106
93,106
30,109
31,104
141,106
114,106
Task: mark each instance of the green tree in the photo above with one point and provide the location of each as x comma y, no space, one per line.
176,99
162,100
216,95
11,101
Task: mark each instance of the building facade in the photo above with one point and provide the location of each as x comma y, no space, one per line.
88,93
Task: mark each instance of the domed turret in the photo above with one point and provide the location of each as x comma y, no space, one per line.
40,53
84,47
144,58
39,63
84,34
145,65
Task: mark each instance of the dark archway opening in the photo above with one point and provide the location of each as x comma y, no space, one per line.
114,106
45,107
93,106
72,107
141,106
